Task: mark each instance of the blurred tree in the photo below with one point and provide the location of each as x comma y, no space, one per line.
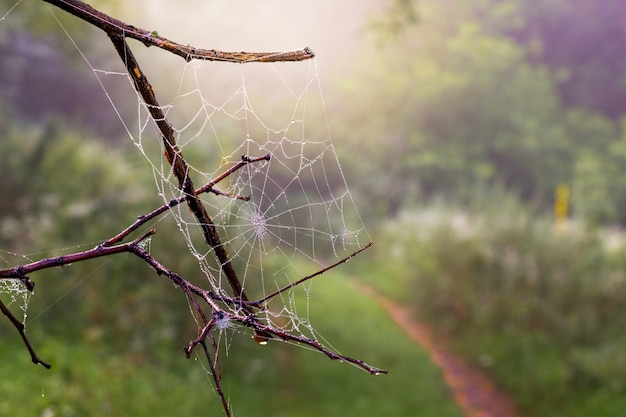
456,102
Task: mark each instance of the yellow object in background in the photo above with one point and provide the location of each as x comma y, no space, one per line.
561,203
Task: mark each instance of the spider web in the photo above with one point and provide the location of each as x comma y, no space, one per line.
298,215
17,294
279,219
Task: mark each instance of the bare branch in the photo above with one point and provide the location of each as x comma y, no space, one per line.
151,38
21,271
245,160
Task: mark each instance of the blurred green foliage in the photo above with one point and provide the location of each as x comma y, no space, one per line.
458,99
539,306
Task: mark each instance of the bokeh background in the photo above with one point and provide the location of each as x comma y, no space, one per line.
484,145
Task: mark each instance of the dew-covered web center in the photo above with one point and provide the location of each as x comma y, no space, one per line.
259,225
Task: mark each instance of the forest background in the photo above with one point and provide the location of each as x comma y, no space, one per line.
483,142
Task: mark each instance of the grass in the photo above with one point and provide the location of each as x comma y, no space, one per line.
278,379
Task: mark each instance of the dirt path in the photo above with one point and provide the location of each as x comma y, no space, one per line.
473,390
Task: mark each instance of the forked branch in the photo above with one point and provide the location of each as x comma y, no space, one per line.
177,161
108,248
208,187
219,305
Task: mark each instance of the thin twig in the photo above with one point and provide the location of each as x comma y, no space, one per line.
19,326
201,337
245,160
208,187
308,277
216,379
